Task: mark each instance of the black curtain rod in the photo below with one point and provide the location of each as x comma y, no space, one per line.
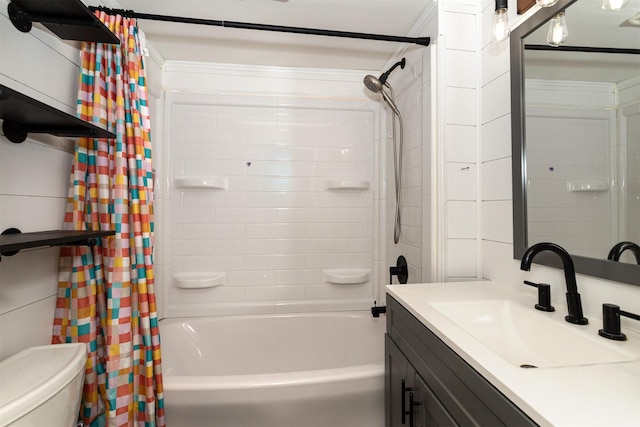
423,41
587,49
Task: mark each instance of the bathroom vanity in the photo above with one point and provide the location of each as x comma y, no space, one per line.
429,384
478,353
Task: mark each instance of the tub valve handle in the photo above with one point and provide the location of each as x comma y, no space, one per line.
400,270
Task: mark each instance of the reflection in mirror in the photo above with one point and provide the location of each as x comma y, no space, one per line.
576,136
616,252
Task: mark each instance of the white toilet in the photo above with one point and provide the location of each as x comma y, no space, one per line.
42,386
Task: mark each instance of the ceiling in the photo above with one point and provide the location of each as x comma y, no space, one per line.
189,42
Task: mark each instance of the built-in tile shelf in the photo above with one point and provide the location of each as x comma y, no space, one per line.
22,115
68,19
347,184
199,280
12,240
587,186
346,276
204,182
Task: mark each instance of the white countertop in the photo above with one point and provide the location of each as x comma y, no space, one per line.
590,395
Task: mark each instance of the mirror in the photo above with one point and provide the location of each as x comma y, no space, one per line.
576,136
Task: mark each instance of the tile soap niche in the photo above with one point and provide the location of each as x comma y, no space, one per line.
199,280
346,276
203,182
347,184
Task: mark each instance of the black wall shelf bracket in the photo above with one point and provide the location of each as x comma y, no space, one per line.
22,115
68,19
12,240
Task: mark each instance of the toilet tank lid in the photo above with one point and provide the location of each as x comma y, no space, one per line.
34,375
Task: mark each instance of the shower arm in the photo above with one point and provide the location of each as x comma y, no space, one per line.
384,76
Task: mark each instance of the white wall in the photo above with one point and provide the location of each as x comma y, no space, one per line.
497,240
458,141
33,183
280,140
238,117
412,90
34,180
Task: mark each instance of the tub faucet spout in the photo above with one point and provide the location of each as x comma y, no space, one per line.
574,304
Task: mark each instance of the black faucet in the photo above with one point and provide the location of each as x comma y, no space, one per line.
573,297
616,251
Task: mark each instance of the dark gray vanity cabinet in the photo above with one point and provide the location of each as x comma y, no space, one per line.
428,384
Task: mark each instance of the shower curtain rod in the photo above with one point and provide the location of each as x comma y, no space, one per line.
423,41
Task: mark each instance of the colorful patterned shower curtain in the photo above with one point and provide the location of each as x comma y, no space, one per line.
106,294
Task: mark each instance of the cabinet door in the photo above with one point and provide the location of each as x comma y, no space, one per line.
409,400
428,410
396,383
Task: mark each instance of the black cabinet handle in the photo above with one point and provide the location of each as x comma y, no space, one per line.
410,409
405,389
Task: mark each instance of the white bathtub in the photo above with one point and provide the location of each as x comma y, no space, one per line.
293,370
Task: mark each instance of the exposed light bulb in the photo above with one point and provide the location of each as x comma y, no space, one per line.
500,26
614,4
546,3
558,31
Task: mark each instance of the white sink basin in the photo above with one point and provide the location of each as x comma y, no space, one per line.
526,337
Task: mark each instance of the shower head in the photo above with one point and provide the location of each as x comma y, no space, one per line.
376,86
372,83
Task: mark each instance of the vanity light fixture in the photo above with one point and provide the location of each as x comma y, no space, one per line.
546,3
558,31
614,4
500,26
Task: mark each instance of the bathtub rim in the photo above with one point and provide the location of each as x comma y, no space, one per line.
226,316
259,381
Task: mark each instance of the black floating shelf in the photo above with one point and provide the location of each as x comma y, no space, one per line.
68,19
22,115
12,240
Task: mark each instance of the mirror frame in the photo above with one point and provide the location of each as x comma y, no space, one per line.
601,268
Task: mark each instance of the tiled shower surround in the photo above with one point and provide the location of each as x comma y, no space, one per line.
579,167
292,202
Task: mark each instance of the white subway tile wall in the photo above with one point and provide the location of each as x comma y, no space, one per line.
278,225
461,66
411,86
